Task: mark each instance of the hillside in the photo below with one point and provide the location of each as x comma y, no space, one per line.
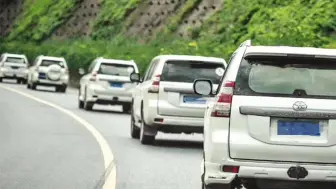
81,30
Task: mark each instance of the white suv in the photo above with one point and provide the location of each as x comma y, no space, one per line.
272,122
49,71
107,82
165,101
14,66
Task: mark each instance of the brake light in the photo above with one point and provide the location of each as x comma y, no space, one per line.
222,107
154,88
230,169
93,76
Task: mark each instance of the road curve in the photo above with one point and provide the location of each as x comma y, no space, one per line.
42,147
173,162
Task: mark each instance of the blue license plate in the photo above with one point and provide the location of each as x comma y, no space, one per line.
303,128
193,100
116,85
42,76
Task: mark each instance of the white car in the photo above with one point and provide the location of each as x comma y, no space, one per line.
14,66
165,101
107,82
272,123
49,71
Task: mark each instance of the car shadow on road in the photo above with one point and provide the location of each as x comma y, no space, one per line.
179,144
108,112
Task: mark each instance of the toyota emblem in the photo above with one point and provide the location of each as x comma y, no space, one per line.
299,106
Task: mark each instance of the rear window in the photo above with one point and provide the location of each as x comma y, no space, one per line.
16,60
292,77
188,71
52,62
116,69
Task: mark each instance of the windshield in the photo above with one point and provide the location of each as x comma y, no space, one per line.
189,71
15,60
51,62
311,77
116,69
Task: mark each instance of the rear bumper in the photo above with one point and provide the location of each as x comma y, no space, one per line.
14,75
50,83
172,124
101,96
267,170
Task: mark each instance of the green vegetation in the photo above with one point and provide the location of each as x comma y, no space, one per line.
40,18
267,22
111,17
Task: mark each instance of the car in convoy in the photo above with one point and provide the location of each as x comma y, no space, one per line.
164,99
48,71
271,123
14,66
107,82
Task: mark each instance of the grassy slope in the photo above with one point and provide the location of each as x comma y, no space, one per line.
271,22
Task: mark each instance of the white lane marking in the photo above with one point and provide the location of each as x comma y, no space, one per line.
110,182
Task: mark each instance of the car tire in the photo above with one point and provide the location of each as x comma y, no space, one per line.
24,81
135,131
218,186
251,185
80,102
126,108
145,139
87,105
63,89
0,79
33,86
19,81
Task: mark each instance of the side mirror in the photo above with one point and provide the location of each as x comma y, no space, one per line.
203,86
81,71
135,77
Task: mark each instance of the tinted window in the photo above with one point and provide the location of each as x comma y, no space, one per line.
116,69
188,71
308,77
15,60
51,62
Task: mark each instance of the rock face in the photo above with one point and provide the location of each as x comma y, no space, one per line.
147,19
9,10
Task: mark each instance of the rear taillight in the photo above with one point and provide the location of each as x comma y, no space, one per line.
154,88
230,169
222,107
93,76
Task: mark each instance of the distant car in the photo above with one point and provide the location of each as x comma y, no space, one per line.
165,101
271,124
107,82
49,71
14,66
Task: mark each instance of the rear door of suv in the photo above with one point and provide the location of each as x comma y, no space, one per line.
115,76
15,64
284,109
176,96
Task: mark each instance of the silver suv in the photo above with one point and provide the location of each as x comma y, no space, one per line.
14,66
164,99
272,123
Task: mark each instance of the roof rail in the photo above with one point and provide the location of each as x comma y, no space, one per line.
246,43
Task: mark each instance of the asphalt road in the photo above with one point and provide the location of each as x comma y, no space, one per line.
45,148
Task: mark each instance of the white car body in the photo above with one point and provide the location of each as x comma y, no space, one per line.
254,137
107,87
49,71
14,66
159,101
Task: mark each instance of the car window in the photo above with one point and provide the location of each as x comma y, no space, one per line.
287,77
151,70
16,60
189,71
46,63
116,69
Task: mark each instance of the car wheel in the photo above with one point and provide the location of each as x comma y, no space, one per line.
33,86
80,102
144,138
18,81
63,89
0,79
135,131
218,186
24,81
126,108
87,105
